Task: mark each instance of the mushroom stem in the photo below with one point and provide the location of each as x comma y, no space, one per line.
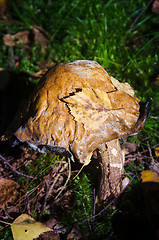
112,158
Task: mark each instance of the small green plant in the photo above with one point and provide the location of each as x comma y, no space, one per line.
85,208
84,198
5,232
82,208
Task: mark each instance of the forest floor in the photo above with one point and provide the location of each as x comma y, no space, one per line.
123,37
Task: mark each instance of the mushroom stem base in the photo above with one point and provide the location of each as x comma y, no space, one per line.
112,158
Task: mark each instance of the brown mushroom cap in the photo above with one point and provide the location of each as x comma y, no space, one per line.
50,117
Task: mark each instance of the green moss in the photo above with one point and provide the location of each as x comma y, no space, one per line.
5,233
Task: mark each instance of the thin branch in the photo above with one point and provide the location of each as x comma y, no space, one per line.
150,152
104,209
46,195
13,169
98,214
68,178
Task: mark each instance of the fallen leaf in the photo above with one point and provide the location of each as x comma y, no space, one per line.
38,74
8,191
156,80
130,147
155,7
125,183
49,235
156,167
26,228
26,37
3,4
18,38
75,233
90,107
157,152
125,87
149,176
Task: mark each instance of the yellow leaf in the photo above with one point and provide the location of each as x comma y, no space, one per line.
125,87
90,107
157,152
3,4
26,228
149,176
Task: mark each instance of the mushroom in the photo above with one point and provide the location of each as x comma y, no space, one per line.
78,108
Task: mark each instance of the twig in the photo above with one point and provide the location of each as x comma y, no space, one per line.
57,176
46,195
99,213
94,207
104,209
150,152
68,178
136,154
11,53
13,169
5,222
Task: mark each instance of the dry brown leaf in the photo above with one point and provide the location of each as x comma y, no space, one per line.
90,107
155,7
130,147
26,37
156,80
48,235
26,228
44,67
38,74
18,38
75,233
8,191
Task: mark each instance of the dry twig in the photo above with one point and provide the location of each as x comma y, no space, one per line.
13,169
